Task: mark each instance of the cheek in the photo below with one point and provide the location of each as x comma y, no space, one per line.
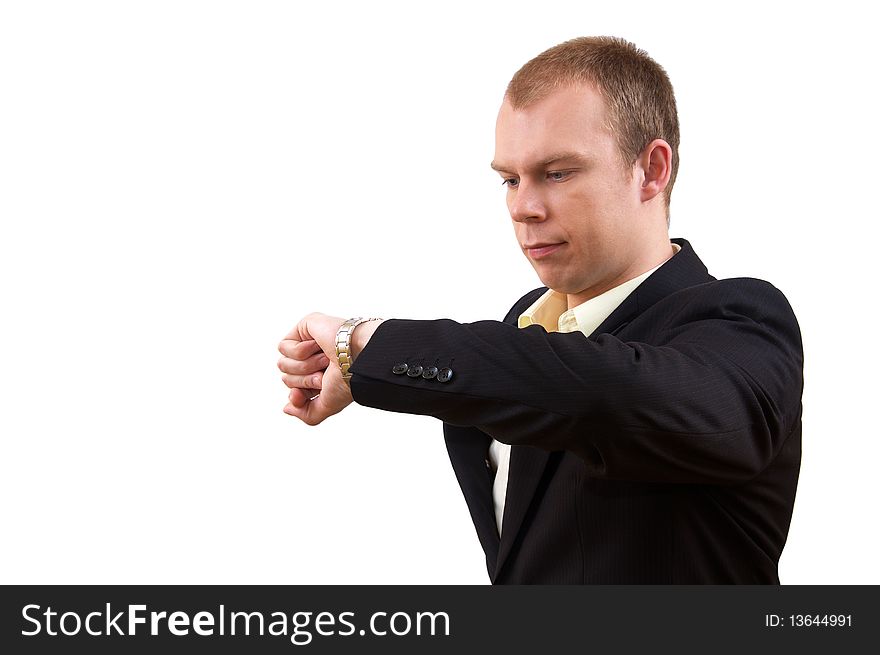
598,203
579,209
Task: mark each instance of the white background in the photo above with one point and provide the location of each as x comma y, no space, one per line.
180,182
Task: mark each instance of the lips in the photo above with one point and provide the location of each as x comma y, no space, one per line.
542,249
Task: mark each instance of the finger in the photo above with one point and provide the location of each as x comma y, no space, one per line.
334,396
313,364
299,397
310,411
298,349
305,413
310,381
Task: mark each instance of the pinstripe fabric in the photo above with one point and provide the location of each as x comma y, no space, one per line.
662,448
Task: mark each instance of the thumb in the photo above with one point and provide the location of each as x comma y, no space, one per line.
335,396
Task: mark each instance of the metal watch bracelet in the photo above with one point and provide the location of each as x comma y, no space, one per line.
343,344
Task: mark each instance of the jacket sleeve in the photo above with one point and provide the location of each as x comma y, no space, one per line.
712,398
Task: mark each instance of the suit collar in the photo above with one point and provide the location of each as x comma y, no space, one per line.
682,270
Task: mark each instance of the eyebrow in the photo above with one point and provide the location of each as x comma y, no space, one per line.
552,159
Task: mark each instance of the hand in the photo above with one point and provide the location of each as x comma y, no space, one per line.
311,371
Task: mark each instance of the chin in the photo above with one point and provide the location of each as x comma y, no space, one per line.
556,285
556,282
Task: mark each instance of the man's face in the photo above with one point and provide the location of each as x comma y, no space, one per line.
568,190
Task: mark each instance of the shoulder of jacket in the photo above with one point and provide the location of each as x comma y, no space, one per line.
739,295
748,287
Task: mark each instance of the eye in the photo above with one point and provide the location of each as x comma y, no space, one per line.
558,176
510,182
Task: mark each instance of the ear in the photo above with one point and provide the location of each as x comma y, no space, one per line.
655,163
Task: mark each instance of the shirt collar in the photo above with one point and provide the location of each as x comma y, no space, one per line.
551,312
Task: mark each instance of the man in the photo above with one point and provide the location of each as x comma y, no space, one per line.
635,420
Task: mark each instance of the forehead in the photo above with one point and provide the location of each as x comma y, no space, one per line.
569,119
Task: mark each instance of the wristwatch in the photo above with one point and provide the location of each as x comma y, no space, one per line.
343,344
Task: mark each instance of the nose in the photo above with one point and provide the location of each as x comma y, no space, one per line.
525,203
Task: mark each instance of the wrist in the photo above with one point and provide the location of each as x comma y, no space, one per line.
361,336
346,347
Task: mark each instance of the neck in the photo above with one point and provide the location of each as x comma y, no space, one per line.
659,252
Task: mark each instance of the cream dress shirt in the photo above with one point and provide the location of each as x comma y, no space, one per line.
551,311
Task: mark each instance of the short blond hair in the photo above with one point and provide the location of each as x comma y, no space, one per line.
636,89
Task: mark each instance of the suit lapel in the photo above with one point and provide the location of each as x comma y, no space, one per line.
527,464
467,447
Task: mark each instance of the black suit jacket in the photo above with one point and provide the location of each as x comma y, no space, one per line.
663,448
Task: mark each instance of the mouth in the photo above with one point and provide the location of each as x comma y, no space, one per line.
541,249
